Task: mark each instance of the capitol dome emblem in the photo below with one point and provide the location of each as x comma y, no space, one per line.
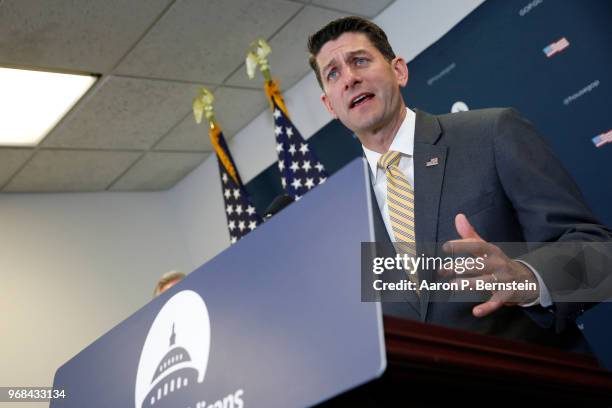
175,353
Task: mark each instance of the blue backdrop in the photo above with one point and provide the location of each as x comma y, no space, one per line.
549,59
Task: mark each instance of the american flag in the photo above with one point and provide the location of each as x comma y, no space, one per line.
299,167
602,139
556,47
242,217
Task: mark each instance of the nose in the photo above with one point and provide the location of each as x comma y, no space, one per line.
350,78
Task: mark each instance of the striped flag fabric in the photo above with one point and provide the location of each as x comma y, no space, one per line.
602,139
556,47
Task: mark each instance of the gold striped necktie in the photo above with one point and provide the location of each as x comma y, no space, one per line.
400,204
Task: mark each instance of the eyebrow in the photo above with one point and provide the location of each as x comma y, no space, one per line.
349,56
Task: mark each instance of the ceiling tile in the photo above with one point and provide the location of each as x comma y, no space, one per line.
124,113
369,8
148,108
289,58
234,109
71,170
158,171
84,35
11,160
187,136
204,41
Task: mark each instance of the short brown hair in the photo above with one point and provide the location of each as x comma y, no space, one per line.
352,24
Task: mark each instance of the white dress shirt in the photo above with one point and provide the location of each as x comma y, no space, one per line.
404,143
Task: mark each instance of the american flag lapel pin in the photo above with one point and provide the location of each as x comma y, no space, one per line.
432,162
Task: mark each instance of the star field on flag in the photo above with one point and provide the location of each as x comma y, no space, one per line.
241,215
300,169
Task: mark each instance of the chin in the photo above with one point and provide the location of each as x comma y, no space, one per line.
368,125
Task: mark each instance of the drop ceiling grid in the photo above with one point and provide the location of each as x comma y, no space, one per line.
134,130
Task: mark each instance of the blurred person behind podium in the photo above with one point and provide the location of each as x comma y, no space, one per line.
466,179
166,281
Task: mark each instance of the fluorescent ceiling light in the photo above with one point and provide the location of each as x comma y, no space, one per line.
32,102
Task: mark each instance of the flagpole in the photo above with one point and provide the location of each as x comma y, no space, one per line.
258,58
299,167
240,213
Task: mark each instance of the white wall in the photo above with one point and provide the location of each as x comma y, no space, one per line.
72,267
199,211
75,265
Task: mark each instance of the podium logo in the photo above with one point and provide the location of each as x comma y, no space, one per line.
175,353
459,106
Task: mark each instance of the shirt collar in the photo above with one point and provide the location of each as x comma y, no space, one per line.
403,142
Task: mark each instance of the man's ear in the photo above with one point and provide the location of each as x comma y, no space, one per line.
327,104
398,64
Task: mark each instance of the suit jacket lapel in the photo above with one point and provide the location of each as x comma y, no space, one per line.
429,165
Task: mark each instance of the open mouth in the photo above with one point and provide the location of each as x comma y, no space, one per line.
360,99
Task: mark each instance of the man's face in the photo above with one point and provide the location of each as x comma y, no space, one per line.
361,88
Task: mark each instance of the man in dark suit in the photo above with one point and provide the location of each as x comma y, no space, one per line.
469,178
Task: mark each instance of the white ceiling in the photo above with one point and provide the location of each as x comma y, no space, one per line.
134,131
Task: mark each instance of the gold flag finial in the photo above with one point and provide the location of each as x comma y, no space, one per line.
258,57
203,106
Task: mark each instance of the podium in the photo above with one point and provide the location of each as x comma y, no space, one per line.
277,320
447,366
